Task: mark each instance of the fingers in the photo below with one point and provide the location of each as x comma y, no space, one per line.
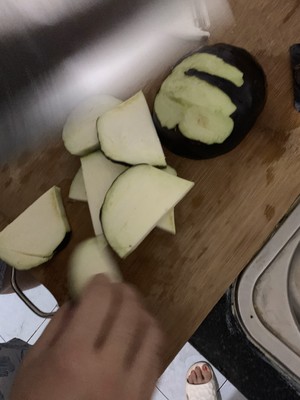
111,326
52,332
96,307
127,329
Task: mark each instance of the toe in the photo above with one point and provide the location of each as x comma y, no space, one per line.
206,372
199,375
192,379
194,375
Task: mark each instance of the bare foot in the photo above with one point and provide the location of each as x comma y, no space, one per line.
199,376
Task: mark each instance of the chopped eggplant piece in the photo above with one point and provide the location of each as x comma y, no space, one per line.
248,100
91,257
77,188
295,59
135,203
167,222
97,167
127,134
38,231
21,261
98,174
212,65
80,131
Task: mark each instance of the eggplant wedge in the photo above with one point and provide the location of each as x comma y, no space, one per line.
21,261
135,203
77,188
40,231
167,222
98,174
91,257
238,76
80,131
127,134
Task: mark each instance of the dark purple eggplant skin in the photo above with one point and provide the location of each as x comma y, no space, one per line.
63,243
249,99
295,61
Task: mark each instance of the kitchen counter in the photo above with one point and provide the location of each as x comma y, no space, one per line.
221,340
236,203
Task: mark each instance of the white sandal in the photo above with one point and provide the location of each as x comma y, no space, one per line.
205,391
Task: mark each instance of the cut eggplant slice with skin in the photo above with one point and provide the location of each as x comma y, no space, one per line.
127,134
205,126
169,111
80,131
249,100
212,65
254,76
295,61
21,261
78,191
77,188
91,257
241,98
189,90
39,230
167,222
135,203
98,175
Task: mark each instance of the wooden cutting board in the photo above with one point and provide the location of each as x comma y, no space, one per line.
237,201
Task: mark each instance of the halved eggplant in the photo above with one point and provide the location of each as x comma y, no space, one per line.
91,257
213,65
38,232
191,91
205,125
127,134
249,100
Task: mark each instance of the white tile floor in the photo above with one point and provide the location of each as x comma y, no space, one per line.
16,320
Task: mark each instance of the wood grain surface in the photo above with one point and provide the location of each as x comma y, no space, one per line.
237,201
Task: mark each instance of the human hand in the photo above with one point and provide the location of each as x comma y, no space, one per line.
105,347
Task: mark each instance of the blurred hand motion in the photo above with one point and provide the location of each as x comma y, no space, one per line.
106,346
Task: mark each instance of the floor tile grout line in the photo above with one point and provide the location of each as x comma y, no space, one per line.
37,329
222,385
44,321
162,393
